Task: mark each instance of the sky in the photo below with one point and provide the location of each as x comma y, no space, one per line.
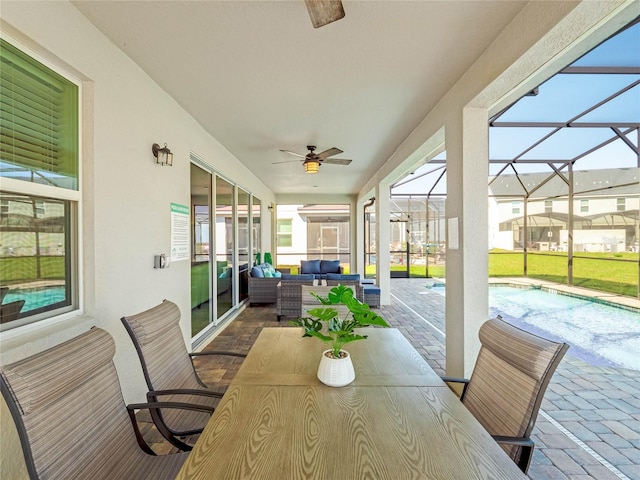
562,98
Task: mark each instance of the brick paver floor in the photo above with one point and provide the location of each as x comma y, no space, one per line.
589,424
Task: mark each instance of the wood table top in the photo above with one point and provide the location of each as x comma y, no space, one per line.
349,433
281,356
397,420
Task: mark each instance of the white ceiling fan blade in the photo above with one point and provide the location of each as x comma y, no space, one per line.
293,153
323,12
329,152
337,161
287,161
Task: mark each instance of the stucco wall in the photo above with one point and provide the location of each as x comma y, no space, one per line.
126,196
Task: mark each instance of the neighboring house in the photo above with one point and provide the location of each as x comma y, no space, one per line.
313,231
605,211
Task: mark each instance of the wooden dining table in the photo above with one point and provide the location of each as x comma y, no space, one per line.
397,420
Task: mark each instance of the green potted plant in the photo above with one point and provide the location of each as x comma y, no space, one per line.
335,329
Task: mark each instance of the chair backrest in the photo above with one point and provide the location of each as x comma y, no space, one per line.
69,411
309,301
510,377
352,281
160,345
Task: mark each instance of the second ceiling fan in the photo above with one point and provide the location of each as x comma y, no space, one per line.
311,161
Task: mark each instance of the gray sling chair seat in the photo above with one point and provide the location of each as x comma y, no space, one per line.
508,382
71,417
169,371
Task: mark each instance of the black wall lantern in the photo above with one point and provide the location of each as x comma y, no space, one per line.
163,154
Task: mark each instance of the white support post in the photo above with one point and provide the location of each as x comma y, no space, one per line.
383,241
467,304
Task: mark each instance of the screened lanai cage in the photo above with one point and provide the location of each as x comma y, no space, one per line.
563,178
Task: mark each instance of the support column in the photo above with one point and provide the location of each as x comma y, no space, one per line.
357,258
467,303
383,241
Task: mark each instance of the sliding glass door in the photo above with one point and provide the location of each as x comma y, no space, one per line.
225,246
201,305
225,236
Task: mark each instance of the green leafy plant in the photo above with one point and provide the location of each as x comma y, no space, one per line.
339,330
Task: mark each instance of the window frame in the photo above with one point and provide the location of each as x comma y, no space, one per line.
621,204
280,234
584,205
73,196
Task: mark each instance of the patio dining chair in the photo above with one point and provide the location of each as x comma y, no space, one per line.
71,417
169,371
508,383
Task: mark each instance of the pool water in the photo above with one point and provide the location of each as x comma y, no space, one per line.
36,297
599,334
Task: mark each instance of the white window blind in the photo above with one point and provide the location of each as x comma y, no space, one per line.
38,121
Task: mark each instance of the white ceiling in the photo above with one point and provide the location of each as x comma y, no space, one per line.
260,78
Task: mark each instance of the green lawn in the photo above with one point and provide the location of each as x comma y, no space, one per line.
601,271
604,271
20,269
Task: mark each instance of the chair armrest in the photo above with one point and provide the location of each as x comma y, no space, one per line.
183,391
517,441
463,381
455,380
218,352
526,453
132,407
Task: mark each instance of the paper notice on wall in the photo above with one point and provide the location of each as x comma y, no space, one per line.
453,238
179,232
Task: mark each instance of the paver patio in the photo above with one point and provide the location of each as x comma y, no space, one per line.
589,424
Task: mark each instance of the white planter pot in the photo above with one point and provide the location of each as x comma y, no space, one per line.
336,372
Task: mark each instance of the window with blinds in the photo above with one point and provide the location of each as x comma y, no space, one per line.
39,138
38,121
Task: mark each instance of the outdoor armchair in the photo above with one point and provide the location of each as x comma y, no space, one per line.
11,311
263,290
169,372
508,382
71,417
289,294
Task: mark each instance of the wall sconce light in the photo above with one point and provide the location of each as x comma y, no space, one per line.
270,207
311,166
163,154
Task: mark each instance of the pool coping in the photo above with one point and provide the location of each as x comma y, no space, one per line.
609,299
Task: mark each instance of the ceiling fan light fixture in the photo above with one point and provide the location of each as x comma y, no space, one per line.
311,166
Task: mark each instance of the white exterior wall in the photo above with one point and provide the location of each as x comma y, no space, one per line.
126,196
298,234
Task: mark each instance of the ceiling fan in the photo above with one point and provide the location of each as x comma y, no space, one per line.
323,12
311,161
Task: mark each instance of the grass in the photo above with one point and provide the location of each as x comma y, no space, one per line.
607,272
21,269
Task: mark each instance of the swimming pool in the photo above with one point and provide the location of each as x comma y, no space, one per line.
36,297
599,334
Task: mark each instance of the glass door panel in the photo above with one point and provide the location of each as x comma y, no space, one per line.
224,246
243,244
399,249
201,304
256,243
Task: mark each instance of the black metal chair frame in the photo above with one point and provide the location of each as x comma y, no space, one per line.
152,395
